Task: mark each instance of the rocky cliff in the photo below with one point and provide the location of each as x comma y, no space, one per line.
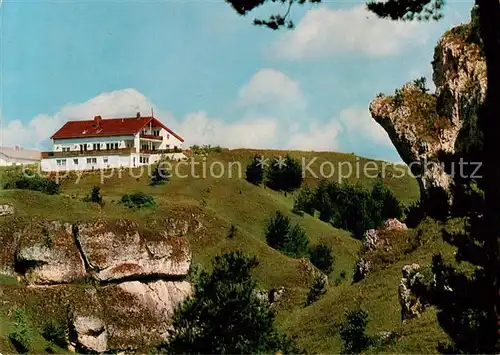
112,284
426,127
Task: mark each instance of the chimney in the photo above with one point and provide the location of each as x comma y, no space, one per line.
138,115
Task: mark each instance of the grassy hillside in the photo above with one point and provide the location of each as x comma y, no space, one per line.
218,203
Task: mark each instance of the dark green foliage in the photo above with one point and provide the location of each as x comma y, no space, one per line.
255,170
421,10
232,232
421,84
384,198
138,200
398,98
304,202
321,256
95,196
284,174
353,208
296,243
281,236
317,290
225,315
36,183
352,332
20,333
160,175
56,334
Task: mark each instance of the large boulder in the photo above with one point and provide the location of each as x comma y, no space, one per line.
90,334
118,251
47,253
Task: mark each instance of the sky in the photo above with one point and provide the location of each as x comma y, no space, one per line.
208,73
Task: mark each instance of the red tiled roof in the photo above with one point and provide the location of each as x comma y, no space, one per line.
107,127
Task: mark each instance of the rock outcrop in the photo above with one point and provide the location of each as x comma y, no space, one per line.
6,210
427,128
411,305
117,283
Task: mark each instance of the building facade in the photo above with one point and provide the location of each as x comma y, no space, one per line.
111,143
18,156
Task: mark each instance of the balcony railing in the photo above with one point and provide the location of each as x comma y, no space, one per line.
160,151
80,153
151,136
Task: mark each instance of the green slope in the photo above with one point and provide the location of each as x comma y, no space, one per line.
219,203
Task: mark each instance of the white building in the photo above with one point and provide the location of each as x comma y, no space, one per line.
18,156
111,143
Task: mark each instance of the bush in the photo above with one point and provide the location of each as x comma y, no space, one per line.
35,183
351,207
56,334
281,236
138,200
95,196
160,175
255,170
316,291
321,257
284,174
304,202
421,84
225,315
352,332
232,232
20,334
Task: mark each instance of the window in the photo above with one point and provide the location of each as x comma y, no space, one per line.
75,161
61,162
105,160
116,145
65,149
168,136
91,160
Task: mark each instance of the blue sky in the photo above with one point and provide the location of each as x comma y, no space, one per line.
209,73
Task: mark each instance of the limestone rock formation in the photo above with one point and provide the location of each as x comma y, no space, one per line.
120,252
115,282
426,127
47,254
91,334
6,210
411,306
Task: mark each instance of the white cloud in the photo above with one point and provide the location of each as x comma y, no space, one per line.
199,128
325,32
36,133
317,137
271,89
250,131
358,123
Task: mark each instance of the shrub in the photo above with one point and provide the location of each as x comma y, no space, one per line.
296,243
304,202
316,291
351,207
160,175
421,84
284,174
55,333
225,315
321,257
138,200
281,236
35,183
232,232
352,332
20,334
277,230
95,196
398,98
255,170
